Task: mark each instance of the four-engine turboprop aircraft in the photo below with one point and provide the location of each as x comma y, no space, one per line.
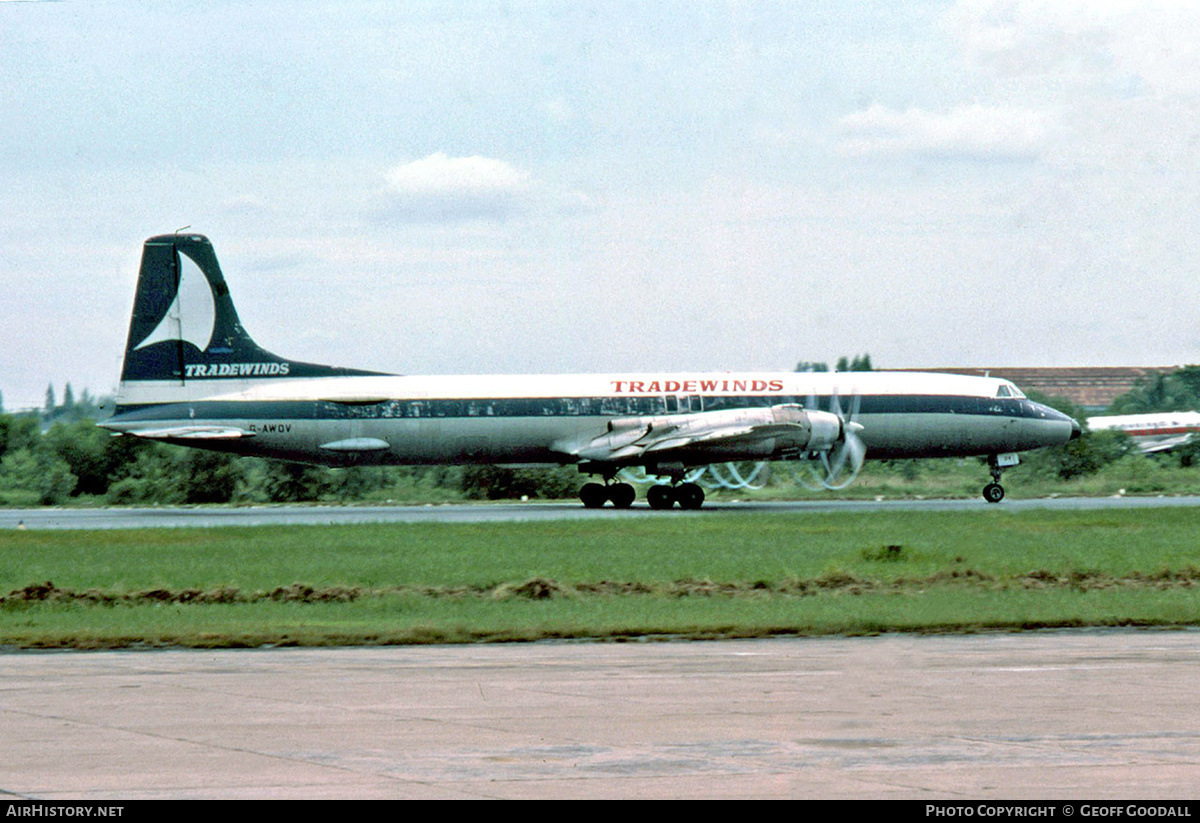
193,376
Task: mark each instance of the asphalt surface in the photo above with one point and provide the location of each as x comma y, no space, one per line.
1061,715
202,516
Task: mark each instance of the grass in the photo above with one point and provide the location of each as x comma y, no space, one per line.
1133,474
717,575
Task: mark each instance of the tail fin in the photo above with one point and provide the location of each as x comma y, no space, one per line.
185,338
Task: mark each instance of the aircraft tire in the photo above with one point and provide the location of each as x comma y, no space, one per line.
622,495
993,492
593,495
660,497
690,496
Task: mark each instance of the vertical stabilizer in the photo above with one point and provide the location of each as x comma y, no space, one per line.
185,338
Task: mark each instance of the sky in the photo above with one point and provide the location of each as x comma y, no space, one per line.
543,187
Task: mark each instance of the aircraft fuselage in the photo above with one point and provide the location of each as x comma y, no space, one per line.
532,419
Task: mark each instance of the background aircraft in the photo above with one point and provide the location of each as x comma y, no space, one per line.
193,376
1151,433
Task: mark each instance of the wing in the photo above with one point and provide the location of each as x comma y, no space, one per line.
757,432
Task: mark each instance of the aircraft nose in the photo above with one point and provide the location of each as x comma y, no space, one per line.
1076,431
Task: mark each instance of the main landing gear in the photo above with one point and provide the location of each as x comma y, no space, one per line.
595,495
688,496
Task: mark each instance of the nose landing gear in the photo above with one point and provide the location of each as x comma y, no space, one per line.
993,492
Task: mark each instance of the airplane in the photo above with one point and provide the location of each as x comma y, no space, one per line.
1151,433
193,376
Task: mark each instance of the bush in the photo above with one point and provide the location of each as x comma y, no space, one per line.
497,483
1137,474
152,477
209,477
1091,452
40,471
295,482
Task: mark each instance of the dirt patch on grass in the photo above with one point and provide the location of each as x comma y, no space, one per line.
47,592
1090,581
539,588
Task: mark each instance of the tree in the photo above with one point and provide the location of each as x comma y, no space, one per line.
1160,392
860,363
86,450
18,431
38,471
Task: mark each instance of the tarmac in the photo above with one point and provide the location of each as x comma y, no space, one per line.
539,511
1053,715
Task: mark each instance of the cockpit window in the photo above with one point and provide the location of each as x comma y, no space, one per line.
1008,390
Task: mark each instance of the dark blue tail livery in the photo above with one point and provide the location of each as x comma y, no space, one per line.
185,328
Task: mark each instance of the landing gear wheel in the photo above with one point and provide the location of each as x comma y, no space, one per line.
593,495
660,497
993,492
622,495
690,496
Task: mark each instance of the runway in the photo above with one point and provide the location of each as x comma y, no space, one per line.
1084,715
205,516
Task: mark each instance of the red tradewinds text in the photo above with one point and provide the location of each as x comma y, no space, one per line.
723,385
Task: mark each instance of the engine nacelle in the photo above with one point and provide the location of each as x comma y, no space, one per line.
825,430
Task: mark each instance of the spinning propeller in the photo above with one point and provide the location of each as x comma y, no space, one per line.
843,462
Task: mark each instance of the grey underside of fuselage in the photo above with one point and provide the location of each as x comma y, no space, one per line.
530,440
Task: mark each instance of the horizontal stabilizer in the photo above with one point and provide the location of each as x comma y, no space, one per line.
1154,447
191,433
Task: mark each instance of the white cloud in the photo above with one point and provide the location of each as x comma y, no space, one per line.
246,204
440,188
439,174
968,132
1124,46
1122,78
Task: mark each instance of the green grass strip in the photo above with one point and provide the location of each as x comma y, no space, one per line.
718,574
